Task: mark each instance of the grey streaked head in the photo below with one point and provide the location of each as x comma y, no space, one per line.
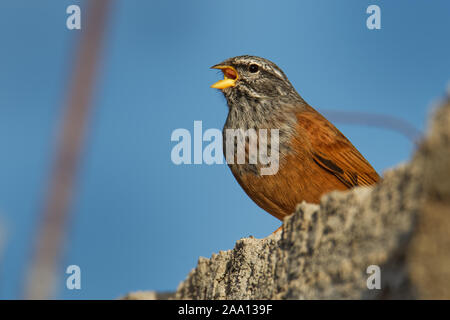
256,78
259,96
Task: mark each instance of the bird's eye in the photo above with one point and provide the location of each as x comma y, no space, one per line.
253,68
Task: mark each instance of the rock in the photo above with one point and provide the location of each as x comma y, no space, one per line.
148,295
429,251
325,251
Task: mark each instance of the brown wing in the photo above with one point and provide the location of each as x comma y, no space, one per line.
333,152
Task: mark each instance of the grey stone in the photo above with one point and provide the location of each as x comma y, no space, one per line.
401,225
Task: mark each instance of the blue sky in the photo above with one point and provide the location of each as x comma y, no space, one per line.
138,221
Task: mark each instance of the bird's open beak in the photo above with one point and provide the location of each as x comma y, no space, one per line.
230,76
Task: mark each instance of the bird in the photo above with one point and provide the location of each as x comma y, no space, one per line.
314,157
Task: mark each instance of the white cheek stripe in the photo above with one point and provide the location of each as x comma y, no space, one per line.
264,65
278,73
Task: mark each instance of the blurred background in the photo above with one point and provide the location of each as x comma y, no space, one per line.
86,118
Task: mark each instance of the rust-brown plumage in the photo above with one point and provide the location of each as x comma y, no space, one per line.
316,157
323,160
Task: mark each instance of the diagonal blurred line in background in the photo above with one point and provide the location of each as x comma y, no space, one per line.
374,120
44,271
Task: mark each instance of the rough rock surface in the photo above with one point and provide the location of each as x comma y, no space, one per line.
401,225
428,256
324,249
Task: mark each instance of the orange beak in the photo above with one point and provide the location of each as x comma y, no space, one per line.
230,76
